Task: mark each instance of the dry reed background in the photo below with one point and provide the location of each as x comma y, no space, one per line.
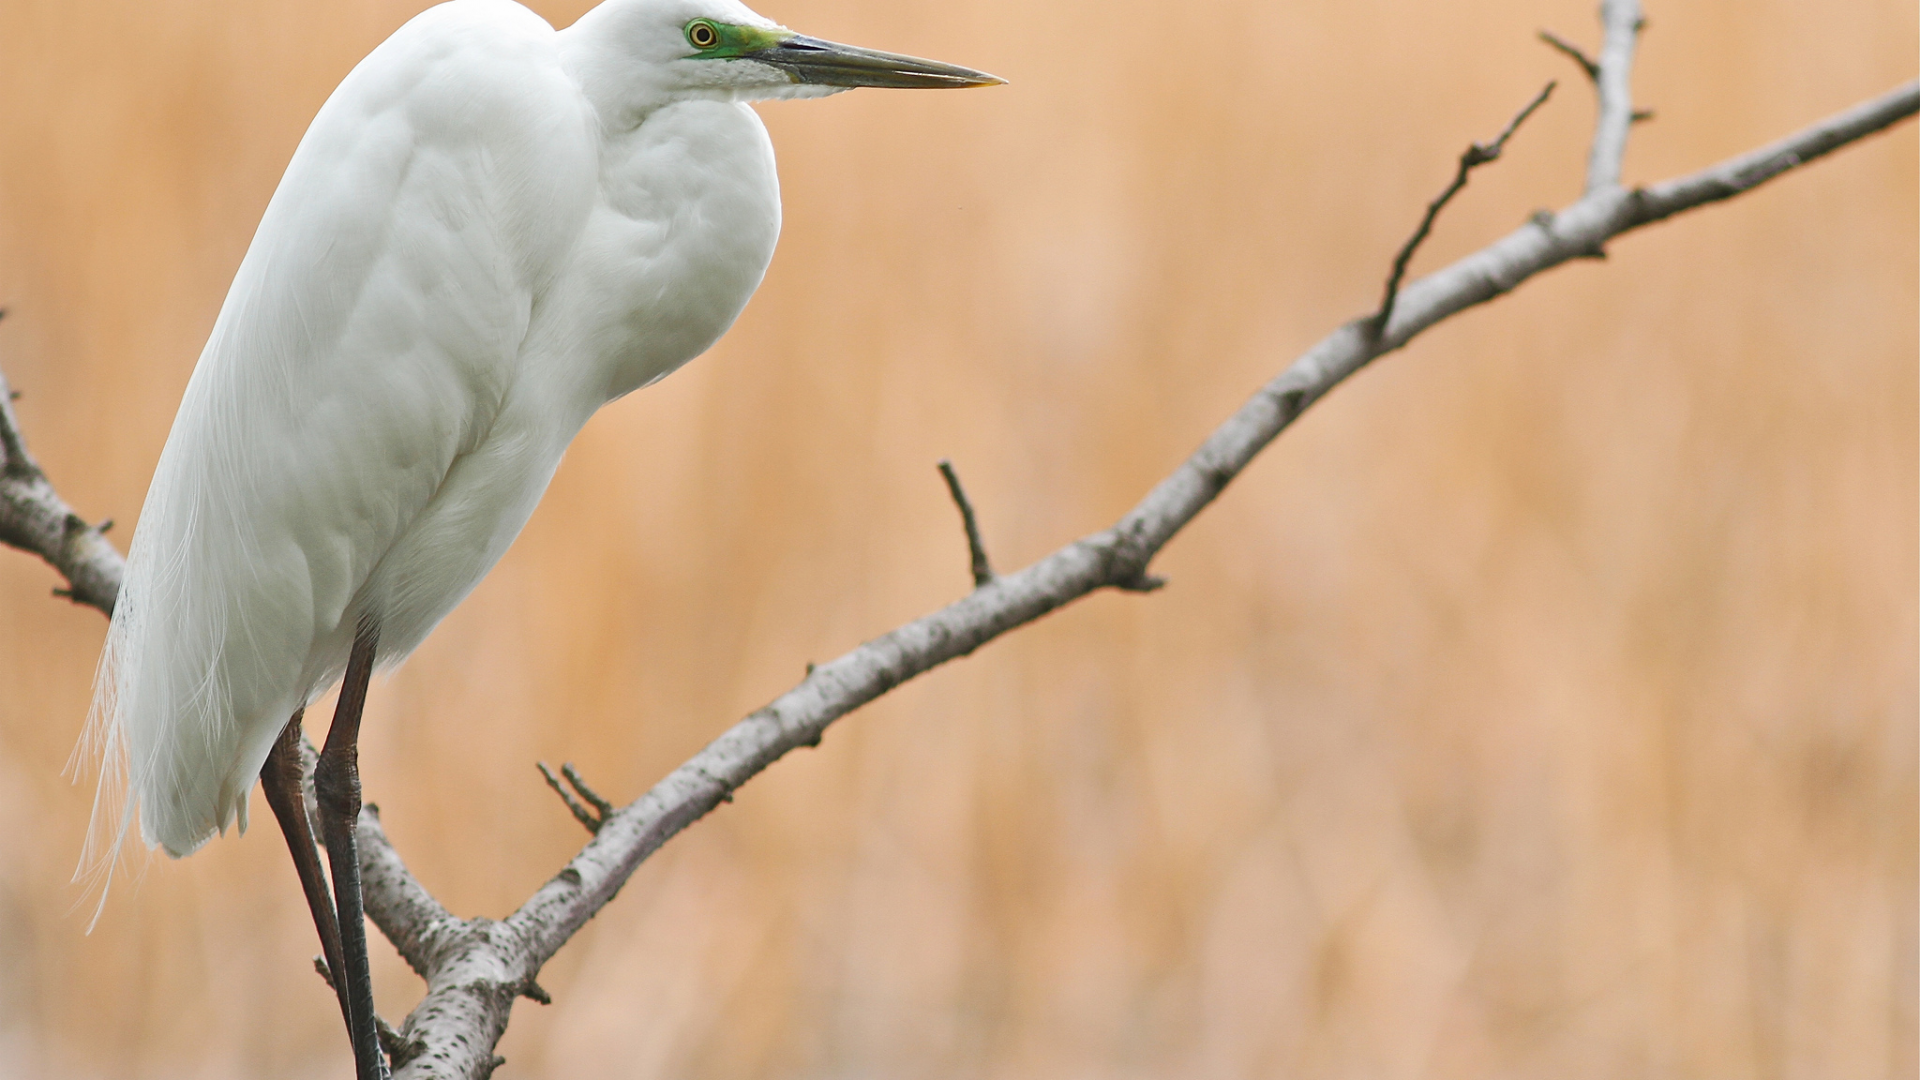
1543,705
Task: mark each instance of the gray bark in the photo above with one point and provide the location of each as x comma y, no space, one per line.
33,517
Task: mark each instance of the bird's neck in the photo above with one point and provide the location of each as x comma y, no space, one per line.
594,51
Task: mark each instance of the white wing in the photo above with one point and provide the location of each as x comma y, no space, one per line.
368,342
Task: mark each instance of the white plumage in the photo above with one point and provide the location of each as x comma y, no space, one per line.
490,230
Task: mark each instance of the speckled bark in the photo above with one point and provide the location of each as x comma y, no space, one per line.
34,518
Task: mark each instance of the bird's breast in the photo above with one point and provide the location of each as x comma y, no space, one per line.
681,235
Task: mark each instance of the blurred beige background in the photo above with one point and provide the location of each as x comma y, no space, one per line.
1544,704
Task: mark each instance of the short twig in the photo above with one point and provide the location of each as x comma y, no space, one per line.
581,814
398,1048
1591,66
1475,156
592,819
1587,63
982,570
593,797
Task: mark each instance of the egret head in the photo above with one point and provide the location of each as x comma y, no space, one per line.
721,49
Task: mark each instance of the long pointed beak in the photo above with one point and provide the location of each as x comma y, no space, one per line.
825,63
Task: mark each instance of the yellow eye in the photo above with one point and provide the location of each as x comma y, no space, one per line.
702,34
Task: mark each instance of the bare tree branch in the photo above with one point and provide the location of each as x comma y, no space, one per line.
1614,80
421,930
468,1000
33,517
1756,167
476,968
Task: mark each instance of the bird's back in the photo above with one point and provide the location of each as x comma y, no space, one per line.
370,339
467,256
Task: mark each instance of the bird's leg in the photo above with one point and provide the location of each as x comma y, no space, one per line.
281,780
336,781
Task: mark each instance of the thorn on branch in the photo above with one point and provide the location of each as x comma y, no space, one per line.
398,1048
320,968
1573,52
1476,155
1145,583
982,569
533,991
1640,116
592,819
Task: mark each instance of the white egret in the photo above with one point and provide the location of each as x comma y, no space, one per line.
491,229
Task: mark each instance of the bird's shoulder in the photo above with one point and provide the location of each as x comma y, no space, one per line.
456,160
379,313
467,70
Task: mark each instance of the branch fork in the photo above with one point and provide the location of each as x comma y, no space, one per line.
593,818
